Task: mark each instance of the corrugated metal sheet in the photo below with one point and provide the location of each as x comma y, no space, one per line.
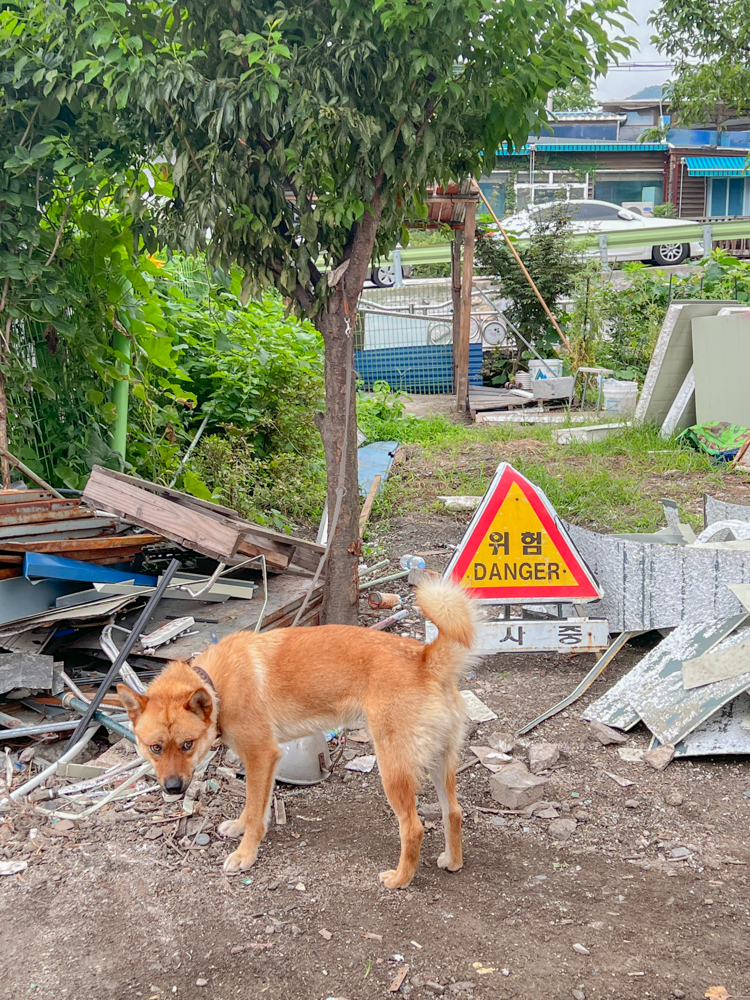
716,166
648,585
617,707
550,146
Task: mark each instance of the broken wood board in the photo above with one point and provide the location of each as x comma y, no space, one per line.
218,539
257,538
616,708
671,712
25,670
672,358
720,665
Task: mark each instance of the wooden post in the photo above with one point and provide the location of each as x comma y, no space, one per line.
456,293
467,276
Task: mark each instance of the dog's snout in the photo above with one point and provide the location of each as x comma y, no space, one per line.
173,784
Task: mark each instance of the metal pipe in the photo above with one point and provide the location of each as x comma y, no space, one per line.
126,671
69,754
131,640
384,579
399,616
115,725
48,727
120,393
368,570
190,449
69,683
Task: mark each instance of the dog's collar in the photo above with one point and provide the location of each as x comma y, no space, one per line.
204,676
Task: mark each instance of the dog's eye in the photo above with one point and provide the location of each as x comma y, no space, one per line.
155,748
187,745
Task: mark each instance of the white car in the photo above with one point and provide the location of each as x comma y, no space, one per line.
591,216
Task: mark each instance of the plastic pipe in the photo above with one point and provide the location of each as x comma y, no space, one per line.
48,771
120,393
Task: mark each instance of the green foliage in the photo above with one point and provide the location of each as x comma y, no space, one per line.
577,96
552,261
353,107
427,238
497,367
617,325
665,211
709,43
276,491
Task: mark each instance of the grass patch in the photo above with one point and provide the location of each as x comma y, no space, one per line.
610,485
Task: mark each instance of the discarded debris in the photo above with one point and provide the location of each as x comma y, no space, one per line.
13,867
515,787
325,934
493,760
399,979
543,756
476,710
581,949
605,734
363,764
622,782
659,757
376,599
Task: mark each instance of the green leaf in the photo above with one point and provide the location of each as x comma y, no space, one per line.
195,486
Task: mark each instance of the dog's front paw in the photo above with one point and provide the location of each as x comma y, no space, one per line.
231,828
445,862
239,862
391,880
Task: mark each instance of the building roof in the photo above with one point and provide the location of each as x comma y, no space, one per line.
716,166
584,146
588,116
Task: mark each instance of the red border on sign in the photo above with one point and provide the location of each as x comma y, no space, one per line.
584,588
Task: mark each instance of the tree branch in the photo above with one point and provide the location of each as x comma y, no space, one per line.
5,293
28,127
58,237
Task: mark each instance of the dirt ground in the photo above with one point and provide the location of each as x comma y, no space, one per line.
123,906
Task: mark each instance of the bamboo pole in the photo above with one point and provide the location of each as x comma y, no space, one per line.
509,241
467,286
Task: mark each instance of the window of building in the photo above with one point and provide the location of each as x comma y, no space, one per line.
729,196
639,186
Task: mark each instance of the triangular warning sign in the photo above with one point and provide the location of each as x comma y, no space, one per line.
516,550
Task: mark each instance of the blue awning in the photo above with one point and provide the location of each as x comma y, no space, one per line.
716,166
581,146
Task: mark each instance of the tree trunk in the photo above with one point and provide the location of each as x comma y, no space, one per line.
336,324
341,597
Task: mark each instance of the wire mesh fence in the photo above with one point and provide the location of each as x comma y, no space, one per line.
405,335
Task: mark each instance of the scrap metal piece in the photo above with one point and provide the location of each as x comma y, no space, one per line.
601,664
719,510
649,586
719,665
671,712
166,633
131,640
726,732
617,707
25,670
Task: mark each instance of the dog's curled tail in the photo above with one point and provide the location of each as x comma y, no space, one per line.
454,615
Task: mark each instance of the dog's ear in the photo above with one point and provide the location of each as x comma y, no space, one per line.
200,703
133,703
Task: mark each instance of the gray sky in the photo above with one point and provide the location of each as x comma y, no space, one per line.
620,83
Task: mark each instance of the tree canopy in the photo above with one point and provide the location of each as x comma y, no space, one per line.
578,96
710,43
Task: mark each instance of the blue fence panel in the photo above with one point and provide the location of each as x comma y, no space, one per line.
427,369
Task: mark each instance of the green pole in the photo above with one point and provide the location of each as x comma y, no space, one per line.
120,395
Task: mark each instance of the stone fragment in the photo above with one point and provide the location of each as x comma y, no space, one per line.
606,735
201,982
503,742
660,757
679,853
581,949
515,788
434,987
578,994
675,799
562,829
632,803
542,756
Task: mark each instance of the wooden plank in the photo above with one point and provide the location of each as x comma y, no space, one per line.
274,561
369,501
209,508
215,538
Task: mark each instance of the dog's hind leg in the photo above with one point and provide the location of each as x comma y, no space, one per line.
400,786
260,766
443,774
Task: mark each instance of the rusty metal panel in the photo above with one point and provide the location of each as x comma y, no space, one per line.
42,511
619,706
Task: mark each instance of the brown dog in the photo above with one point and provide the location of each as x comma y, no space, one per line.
262,690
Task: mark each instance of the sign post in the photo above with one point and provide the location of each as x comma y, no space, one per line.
516,553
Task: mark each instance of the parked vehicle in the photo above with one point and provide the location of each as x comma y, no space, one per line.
591,216
384,276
